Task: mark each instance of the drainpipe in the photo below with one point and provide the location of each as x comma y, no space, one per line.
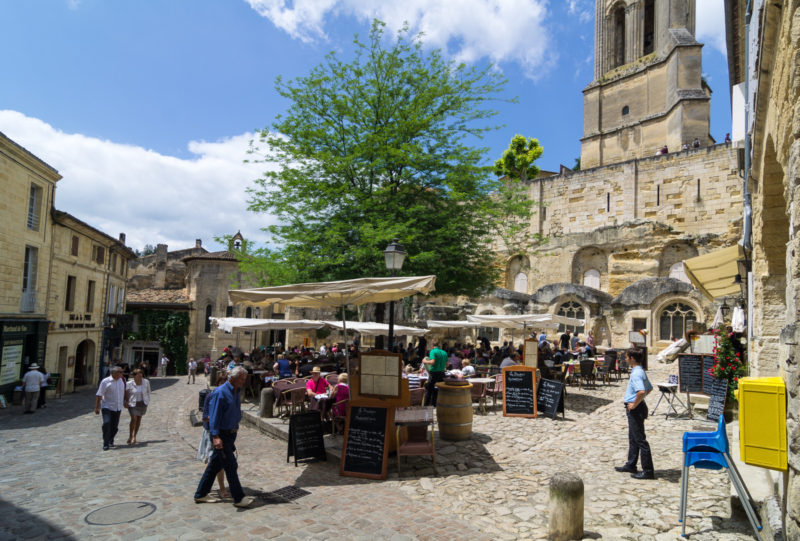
747,218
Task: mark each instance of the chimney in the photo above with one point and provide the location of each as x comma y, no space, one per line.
198,243
122,238
160,280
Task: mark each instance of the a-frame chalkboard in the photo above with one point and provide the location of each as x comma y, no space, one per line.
519,391
305,437
550,398
716,399
365,449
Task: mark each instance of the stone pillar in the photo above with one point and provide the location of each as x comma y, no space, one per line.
566,507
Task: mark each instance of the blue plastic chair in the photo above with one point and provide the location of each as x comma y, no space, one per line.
710,451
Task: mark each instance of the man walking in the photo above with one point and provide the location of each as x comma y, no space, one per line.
436,362
192,371
32,383
162,366
636,409
110,399
224,414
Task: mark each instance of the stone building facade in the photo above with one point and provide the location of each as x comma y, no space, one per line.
764,60
62,282
617,232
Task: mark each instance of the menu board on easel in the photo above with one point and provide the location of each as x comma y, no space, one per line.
519,391
690,372
365,449
531,353
716,399
381,373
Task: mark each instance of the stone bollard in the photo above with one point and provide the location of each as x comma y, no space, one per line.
566,507
212,376
266,402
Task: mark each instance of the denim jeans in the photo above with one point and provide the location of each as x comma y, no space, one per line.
110,425
432,392
222,459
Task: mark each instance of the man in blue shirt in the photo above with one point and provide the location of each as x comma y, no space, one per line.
636,409
224,414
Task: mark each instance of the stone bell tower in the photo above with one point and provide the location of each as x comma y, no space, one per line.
648,89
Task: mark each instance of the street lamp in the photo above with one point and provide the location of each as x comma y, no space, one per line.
395,254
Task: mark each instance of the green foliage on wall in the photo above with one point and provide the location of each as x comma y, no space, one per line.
170,329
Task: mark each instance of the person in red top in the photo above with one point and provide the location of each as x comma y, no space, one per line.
316,385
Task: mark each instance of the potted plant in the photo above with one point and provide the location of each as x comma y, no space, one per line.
729,364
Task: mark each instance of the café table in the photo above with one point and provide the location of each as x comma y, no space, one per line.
416,420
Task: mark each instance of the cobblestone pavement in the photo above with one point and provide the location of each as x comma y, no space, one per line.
53,473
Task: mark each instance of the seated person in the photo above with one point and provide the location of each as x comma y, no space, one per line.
316,385
411,376
455,360
467,370
340,392
545,352
513,360
283,367
305,367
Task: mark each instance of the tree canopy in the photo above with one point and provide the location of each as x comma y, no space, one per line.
377,148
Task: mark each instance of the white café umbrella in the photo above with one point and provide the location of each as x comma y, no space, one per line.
229,324
336,294
368,328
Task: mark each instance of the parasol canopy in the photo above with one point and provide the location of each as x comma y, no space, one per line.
442,324
229,324
335,294
520,321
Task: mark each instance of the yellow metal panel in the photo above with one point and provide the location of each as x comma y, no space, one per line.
762,422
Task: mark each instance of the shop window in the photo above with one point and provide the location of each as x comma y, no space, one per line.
574,310
675,320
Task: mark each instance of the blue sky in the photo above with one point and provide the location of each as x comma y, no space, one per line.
146,106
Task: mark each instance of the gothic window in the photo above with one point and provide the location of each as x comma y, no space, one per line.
207,323
521,282
649,36
676,271
571,309
248,313
675,320
591,278
618,22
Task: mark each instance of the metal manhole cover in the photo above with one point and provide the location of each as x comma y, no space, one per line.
290,492
120,513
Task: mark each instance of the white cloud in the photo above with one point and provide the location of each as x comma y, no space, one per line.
581,8
710,27
507,31
150,197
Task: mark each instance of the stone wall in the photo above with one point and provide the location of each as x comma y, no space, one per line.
207,283
163,269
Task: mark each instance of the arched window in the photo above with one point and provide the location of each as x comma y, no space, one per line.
625,110
229,311
207,324
248,313
649,39
618,22
675,320
571,309
591,278
521,282
676,271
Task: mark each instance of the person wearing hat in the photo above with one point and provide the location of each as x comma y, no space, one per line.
32,384
316,385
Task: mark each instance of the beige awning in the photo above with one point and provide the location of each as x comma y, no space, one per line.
714,274
335,294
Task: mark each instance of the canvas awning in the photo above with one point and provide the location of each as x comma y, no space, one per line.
368,328
334,294
521,321
442,324
714,273
229,324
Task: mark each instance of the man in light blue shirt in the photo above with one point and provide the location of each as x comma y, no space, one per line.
636,409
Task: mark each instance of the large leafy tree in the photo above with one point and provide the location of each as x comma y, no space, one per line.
380,148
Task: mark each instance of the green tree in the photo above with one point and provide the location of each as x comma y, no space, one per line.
514,207
378,148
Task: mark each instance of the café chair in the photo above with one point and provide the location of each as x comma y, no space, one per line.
295,399
587,372
417,443
478,393
417,396
607,369
496,390
669,391
710,451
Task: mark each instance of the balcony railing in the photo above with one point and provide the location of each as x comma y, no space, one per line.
29,302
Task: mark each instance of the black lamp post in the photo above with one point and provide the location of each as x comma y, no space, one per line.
395,254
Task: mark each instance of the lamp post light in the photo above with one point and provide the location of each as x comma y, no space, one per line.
395,254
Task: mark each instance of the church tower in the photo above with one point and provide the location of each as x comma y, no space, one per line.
648,89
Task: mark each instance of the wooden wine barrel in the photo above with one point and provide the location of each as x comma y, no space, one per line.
454,411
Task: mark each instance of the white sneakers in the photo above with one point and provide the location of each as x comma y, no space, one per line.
247,501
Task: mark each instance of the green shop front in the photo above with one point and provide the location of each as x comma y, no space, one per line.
22,343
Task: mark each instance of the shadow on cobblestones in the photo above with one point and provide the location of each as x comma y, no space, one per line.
18,523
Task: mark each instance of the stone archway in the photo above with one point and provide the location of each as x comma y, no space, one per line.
84,363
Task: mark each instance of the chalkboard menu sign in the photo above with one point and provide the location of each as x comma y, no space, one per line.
364,448
716,399
708,379
519,394
305,437
690,370
550,397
